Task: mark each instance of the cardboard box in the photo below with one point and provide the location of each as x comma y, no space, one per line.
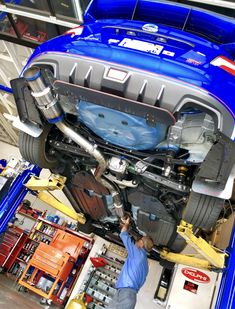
233,194
222,234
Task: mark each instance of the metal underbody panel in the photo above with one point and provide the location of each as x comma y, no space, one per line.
152,216
164,229
82,184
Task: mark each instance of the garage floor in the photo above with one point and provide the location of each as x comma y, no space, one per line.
10,298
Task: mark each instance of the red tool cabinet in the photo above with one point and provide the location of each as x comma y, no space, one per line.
12,243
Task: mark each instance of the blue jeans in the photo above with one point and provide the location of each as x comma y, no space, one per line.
124,298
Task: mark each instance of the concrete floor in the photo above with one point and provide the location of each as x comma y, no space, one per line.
10,298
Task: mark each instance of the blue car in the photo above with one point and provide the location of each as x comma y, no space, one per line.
136,108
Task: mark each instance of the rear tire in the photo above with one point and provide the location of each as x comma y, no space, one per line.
202,210
35,149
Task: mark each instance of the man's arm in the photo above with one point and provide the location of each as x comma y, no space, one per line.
125,237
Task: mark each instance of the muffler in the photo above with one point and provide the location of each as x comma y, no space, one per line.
46,101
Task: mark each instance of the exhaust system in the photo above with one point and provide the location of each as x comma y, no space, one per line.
50,107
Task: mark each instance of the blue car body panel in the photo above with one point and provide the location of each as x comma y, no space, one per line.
179,44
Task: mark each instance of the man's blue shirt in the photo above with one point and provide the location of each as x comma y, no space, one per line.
135,268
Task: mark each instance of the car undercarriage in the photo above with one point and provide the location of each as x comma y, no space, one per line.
129,140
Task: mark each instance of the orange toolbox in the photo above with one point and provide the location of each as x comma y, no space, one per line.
55,260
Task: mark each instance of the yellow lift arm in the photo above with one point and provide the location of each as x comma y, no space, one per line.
55,182
214,258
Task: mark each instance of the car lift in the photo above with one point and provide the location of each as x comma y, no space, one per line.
15,195
55,182
28,181
226,294
214,259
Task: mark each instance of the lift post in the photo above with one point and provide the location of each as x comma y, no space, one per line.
226,294
55,182
214,258
15,195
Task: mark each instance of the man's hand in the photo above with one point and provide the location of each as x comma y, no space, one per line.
125,223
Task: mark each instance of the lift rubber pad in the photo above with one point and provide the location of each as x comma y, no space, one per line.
152,114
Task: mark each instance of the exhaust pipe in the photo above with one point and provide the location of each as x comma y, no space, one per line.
117,203
53,112
81,141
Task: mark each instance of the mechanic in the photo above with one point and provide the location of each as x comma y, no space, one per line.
134,270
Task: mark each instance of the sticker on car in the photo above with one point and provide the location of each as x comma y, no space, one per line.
168,53
142,46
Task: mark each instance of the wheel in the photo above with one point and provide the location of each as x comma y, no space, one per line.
35,149
202,210
86,228
21,288
178,244
43,301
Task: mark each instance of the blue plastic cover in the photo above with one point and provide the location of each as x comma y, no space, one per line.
121,129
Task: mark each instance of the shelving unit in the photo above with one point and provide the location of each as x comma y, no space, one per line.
50,255
102,285
26,215
31,242
99,283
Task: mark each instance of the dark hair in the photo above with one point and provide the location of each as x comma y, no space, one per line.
148,243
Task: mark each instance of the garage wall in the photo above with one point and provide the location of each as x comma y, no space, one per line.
8,151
